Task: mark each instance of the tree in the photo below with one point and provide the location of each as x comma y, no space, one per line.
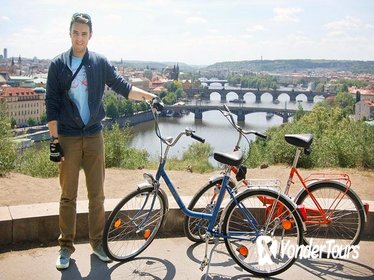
7,146
31,122
43,118
170,98
346,102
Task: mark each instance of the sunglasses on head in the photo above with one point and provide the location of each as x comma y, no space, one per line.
81,16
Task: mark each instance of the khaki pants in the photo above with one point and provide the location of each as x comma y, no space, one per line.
86,152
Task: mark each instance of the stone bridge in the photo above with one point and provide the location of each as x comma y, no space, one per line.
239,110
240,92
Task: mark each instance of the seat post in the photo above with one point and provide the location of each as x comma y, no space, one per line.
297,156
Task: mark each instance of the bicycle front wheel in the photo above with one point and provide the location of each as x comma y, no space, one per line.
335,234
133,224
263,231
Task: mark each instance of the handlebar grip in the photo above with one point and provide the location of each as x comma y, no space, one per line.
198,138
261,135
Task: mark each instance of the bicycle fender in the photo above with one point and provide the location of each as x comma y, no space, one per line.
217,178
335,183
146,185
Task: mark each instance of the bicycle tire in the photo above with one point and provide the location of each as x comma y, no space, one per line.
284,228
346,225
195,228
133,224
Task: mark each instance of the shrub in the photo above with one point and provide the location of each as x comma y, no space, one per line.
196,157
117,150
35,162
7,146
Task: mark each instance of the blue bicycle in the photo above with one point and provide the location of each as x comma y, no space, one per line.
257,235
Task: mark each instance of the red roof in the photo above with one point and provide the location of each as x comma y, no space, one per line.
17,91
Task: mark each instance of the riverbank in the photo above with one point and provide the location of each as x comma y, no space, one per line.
19,189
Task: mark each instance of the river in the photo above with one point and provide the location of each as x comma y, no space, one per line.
213,127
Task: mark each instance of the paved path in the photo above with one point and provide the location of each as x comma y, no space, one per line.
171,258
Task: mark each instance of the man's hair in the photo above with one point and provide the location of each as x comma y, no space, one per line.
81,18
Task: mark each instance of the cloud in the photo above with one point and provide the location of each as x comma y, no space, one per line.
196,20
256,28
287,14
4,18
348,22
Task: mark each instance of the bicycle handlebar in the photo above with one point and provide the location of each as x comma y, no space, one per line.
227,113
198,138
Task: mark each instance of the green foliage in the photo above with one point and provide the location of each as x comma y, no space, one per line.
31,122
170,98
338,141
196,157
117,106
346,101
35,162
117,150
7,146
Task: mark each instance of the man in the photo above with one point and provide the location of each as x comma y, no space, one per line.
75,88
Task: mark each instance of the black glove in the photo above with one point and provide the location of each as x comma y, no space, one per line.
157,104
56,152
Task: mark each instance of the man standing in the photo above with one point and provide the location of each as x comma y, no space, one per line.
74,101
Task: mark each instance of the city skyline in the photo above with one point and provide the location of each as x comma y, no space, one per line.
193,32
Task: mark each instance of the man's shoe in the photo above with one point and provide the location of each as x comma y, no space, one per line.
63,259
99,252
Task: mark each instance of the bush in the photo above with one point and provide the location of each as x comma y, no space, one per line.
338,141
197,157
7,146
35,162
117,150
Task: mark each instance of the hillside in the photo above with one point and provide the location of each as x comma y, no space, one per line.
295,65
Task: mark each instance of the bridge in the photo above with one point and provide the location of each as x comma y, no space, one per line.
239,110
215,81
240,92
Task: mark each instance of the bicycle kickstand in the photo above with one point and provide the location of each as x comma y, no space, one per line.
206,261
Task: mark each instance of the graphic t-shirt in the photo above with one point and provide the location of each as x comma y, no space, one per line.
79,91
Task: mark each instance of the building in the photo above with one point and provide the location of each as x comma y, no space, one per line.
23,104
364,108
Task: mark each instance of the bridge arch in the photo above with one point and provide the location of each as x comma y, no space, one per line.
215,95
266,97
284,97
249,97
302,97
231,95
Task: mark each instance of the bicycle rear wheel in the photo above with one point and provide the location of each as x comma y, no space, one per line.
345,215
133,224
263,230
204,201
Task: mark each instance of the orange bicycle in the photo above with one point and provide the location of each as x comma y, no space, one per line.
333,214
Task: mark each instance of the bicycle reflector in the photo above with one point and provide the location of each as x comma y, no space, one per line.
147,234
243,251
286,224
117,223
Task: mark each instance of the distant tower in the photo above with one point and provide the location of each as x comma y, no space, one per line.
175,73
5,53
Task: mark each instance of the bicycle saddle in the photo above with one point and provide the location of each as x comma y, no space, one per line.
299,140
233,159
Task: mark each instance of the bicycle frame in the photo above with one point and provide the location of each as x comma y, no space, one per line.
211,218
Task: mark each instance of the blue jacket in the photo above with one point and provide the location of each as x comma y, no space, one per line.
62,109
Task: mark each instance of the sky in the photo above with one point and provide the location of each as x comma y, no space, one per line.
196,32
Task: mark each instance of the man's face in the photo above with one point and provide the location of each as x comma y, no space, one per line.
80,35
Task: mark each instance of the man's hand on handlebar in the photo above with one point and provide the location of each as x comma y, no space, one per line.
157,104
